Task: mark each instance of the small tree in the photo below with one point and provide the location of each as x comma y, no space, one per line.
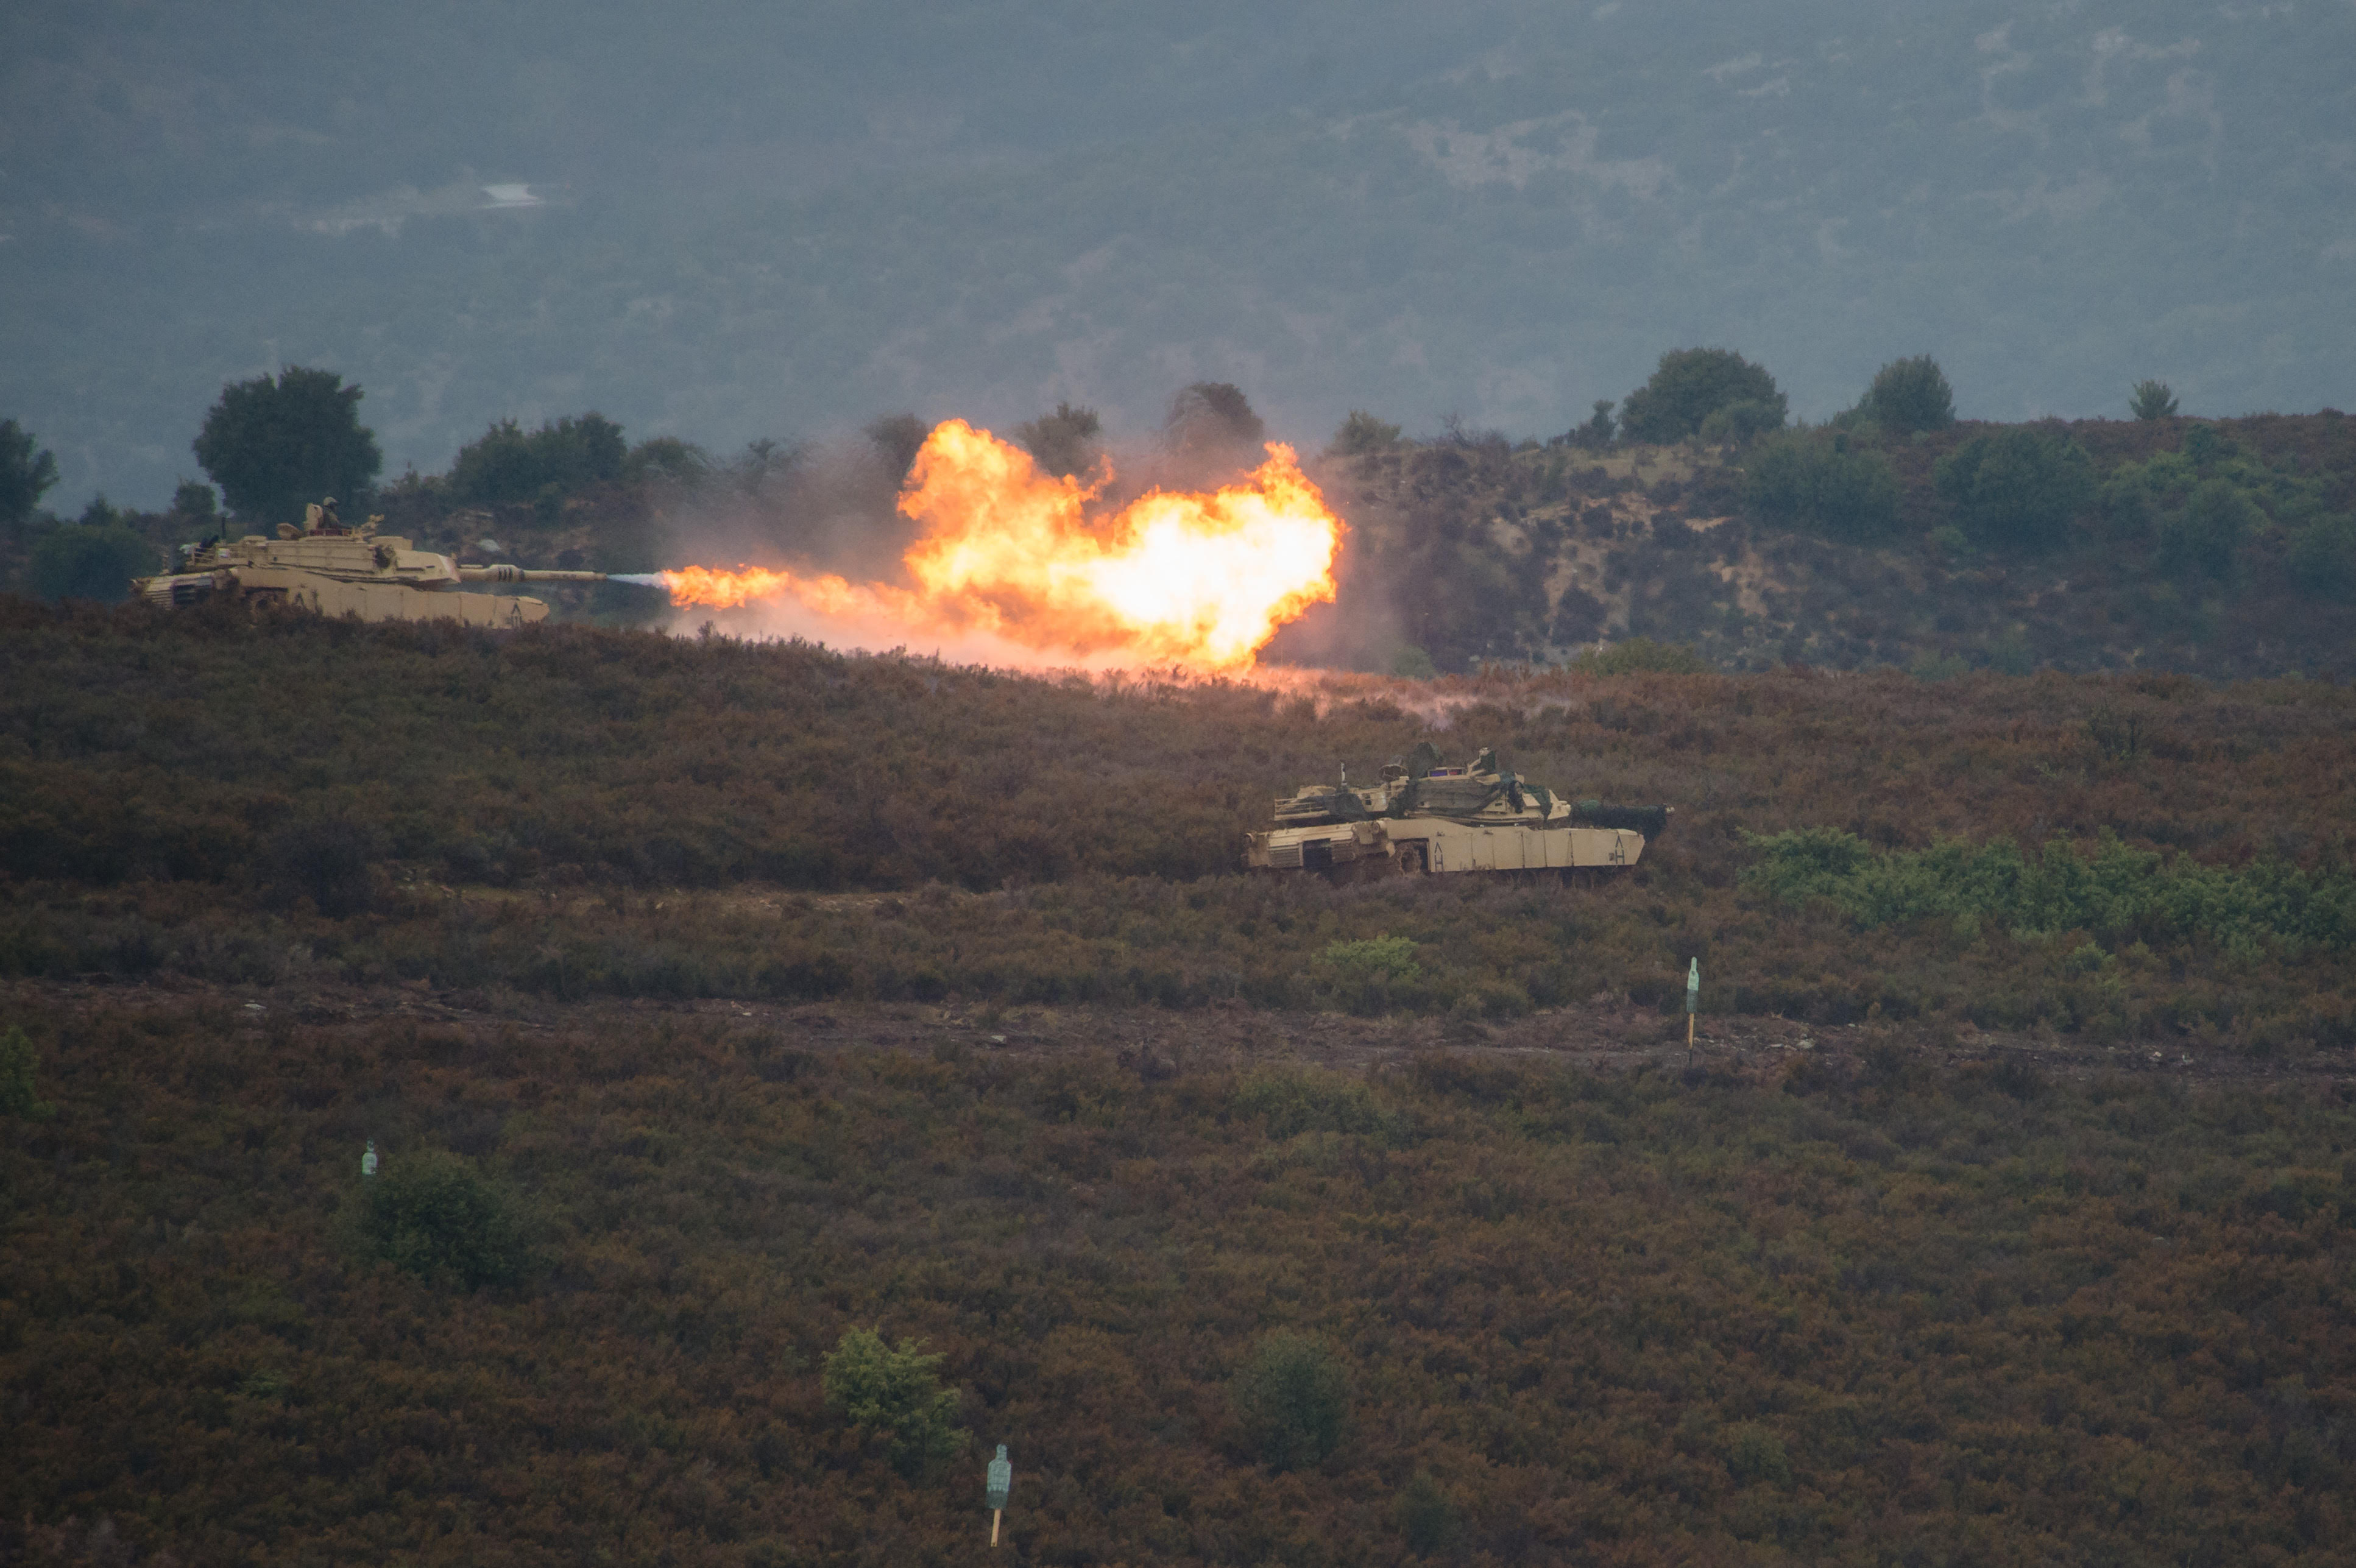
1687,387
2152,401
2015,488
1292,1396
1908,395
194,501
896,1394
1597,431
1363,432
1213,419
667,458
26,475
1064,441
764,460
274,442
507,465
898,438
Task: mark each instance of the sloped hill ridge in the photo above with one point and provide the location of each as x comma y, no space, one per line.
1475,551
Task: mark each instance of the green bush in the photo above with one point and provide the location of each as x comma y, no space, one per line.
1411,663
2322,558
1304,1100
1908,395
2198,539
1805,862
1367,972
1292,1397
1691,384
508,465
1741,422
1426,1516
1939,667
78,562
896,1395
1642,656
667,458
1754,1454
329,861
2018,488
18,1063
1597,433
434,1215
1363,432
1386,958
2205,443
2114,890
2126,504
1823,482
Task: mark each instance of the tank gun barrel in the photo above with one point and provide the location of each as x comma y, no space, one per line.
505,573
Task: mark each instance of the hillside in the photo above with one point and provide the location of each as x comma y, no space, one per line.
708,1001
2120,857
1862,1307
1475,551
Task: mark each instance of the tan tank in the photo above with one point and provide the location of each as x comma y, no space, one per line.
336,571
1423,818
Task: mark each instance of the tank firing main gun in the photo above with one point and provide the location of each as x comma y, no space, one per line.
333,569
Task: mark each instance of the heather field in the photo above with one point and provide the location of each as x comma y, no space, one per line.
709,1003
574,811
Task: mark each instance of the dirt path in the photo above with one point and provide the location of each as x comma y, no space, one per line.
1601,1037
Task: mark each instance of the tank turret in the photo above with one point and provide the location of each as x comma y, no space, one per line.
338,571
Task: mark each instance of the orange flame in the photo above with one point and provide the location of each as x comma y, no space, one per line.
1198,579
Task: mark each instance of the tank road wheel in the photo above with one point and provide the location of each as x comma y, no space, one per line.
1411,860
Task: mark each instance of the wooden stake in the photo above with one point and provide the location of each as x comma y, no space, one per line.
995,1515
1689,1022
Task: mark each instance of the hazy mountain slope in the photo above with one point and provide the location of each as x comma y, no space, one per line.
1474,552
768,223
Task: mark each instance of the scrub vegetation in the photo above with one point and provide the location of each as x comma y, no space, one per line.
585,927
781,1300
570,812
